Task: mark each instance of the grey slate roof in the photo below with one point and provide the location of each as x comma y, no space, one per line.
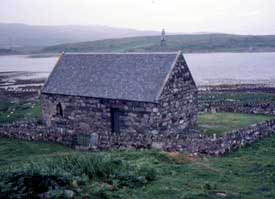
127,76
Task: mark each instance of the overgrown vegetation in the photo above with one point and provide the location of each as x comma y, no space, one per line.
247,173
68,172
220,123
62,170
11,111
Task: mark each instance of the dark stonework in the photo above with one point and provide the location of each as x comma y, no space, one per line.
193,142
178,101
142,124
238,107
83,115
209,102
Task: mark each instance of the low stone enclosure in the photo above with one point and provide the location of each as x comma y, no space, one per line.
192,142
238,107
265,107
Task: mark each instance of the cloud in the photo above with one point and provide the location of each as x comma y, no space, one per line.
250,13
232,16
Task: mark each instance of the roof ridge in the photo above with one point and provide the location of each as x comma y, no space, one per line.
120,53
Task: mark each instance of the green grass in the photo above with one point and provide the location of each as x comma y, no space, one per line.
246,174
13,111
16,151
219,123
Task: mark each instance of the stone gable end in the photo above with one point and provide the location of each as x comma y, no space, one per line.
137,123
178,100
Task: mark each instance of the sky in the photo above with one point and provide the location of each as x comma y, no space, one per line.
185,16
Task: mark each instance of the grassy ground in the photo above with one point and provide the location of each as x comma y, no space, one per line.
15,151
219,123
247,173
11,111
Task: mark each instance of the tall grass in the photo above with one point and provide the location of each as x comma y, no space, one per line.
68,172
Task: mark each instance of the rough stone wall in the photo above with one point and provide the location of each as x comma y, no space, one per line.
233,106
237,101
196,143
230,141
35,131
92,116
175,142
178,101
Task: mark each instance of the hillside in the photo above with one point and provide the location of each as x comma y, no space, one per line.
7,52
22,35
186,43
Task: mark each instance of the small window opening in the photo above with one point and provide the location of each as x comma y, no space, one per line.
115,120
59,110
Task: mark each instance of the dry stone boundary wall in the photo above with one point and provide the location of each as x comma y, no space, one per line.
238,107
192,142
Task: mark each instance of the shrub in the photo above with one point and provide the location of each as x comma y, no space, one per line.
25,185
69,171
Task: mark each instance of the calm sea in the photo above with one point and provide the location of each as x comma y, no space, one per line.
207,68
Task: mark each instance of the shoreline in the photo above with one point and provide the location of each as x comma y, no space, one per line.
17,81
11,84
24,81
55,54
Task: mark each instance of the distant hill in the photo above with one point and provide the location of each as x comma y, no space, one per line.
186,42
21,35
7,51
23,38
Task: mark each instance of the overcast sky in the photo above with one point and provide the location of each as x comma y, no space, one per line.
231,16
